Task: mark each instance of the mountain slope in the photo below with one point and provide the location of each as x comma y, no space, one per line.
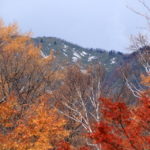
67,53
71,53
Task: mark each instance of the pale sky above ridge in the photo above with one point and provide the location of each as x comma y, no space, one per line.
103,24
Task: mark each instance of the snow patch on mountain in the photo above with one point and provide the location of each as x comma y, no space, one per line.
43,55
65,46
65,50
83,53
113,60
65,54
74,59
91,58
76,55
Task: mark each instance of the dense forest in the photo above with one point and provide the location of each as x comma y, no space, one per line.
48,104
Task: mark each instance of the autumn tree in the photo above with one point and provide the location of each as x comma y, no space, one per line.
124,127
39,128
78,100
22,68
26,80
140,44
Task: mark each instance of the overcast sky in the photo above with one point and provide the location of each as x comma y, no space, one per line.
90,23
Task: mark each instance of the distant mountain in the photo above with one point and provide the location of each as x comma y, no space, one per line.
69,53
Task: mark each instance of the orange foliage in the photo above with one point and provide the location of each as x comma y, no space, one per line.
40,128
7,111
26,121
23,70
145,80
33,125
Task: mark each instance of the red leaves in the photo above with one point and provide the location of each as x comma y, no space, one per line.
123,127
64,146
114,112
104,135
84,148
67,146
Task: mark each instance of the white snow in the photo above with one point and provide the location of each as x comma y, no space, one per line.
74,59
76,55
43,55
113,60
64,49
83,53
91,58
65,46
65,54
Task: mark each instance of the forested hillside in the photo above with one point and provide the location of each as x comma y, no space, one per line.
113,62
55,95
72,53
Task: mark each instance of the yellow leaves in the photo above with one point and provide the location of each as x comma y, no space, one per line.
11,41
27,123
7,110
39,129
7,33
21,62
145,80
33,51
48,59
16,44
10,34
